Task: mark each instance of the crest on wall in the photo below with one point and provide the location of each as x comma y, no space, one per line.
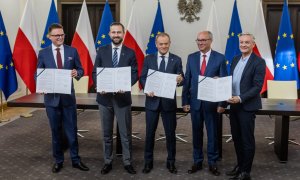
189,9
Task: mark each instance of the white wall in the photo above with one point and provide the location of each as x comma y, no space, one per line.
182,34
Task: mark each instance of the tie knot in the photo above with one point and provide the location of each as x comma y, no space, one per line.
162,57
116,48
57,49
204,55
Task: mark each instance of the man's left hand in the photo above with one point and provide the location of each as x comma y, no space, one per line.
74,73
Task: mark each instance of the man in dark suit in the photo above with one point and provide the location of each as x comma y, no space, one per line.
61,108
166,62
248,72
209,63
116,104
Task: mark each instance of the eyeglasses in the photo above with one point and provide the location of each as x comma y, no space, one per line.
58,35
201,40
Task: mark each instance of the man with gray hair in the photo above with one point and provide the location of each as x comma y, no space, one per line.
209,63
248,72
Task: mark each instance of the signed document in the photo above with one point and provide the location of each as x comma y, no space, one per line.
53,81
113,79
161,84
214,90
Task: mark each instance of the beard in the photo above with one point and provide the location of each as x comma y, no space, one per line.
117,40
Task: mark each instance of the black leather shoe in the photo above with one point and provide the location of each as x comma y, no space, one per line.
147,168
234,172
214,170
57,167
130,169
241,176
106,168
195,168
81,166
172,168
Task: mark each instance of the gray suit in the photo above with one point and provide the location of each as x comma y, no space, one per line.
116,104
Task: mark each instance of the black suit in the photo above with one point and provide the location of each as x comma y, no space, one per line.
242,115
156,105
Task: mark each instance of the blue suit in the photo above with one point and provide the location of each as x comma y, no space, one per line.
242,115
155,105
203,111
61,108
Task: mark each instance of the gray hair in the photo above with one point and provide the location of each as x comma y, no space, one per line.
247,34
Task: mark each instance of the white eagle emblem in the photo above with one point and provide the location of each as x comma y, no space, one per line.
189,9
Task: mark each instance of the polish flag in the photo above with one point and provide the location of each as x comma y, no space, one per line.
133,38
26,47
262,47
83,41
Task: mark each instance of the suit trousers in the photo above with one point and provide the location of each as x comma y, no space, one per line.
169,123
242,129
124,120
210,119
63,117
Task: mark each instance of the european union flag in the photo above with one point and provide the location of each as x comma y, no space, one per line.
52,18
285,55
157,28
232,45
8,79
103,38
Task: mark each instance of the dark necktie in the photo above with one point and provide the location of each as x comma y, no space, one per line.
162,66
115,57
58,59
203,65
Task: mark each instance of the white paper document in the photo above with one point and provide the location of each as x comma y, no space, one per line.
113,79
214,90
53,81
161,84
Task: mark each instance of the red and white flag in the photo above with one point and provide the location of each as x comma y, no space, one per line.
133,38
83,41
26,47
213,27
262,47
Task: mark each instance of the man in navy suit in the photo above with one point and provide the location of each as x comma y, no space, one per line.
209,63
166,62
248,72
61,108
116,104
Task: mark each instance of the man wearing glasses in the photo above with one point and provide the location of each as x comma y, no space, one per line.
209,63
61,108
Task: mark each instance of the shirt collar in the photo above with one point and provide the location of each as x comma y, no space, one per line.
166,55
114,46
60,47
207,53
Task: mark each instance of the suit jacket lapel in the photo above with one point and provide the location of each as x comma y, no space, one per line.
234,63
50,54
170,63
197,61
209,64
250,61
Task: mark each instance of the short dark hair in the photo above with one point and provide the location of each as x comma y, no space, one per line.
54,26
118,24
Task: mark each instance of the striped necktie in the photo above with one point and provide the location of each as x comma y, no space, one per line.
115,57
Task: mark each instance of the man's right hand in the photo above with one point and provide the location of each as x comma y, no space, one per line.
186,108
151,94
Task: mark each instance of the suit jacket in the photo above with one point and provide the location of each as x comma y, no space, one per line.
104,59
174,66
216,66
71,61
251,82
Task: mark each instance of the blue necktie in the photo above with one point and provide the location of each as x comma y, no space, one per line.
162,66
115,57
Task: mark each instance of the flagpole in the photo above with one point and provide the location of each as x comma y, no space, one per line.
2,109
26,115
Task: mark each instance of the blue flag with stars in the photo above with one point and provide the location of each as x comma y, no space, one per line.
285,55
232,45
8,78
52,18
157,28
103,38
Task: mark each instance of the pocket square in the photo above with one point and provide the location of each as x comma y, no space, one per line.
70,58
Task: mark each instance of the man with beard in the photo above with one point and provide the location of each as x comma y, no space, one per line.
116,104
